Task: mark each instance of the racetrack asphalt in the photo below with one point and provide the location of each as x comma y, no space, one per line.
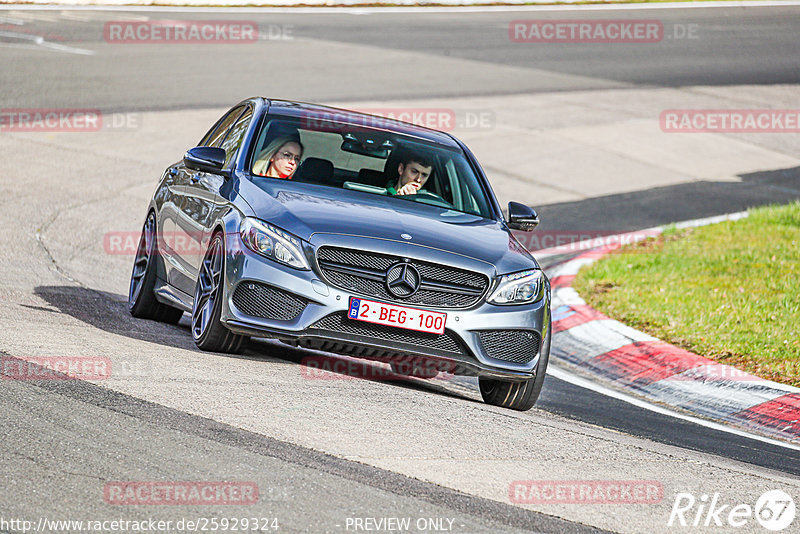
576,126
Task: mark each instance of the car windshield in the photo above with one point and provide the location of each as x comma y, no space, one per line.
356,158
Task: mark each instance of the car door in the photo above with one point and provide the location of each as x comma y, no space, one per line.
200,194
204,192
169,199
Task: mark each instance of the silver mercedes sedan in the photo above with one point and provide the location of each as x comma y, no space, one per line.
348,233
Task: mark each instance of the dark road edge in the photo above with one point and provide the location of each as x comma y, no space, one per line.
202,427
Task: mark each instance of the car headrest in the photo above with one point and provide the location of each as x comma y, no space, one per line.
372,177
315,170
390,167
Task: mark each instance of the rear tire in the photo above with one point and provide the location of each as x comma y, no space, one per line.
142,301
518,395
208,331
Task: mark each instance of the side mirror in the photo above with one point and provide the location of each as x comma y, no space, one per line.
522,217
205,159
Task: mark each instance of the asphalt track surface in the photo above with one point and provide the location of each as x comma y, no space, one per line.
64,439
341,58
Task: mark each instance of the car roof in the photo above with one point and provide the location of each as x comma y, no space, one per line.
304,109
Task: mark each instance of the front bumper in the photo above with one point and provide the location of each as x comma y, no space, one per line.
321,322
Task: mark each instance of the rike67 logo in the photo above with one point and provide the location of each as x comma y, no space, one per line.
774,510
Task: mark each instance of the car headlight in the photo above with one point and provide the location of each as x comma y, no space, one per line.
273,243
519,288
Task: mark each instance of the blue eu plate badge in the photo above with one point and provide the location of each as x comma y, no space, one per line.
354,303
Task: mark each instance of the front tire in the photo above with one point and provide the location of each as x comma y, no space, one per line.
518,395
208,332
142,301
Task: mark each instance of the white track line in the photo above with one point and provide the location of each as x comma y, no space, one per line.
13,21
32,16
37,41
86,16
562,374
413,9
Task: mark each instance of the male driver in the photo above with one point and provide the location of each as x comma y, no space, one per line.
413,171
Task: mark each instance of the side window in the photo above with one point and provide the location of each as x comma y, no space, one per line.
234,138
215,137
207,136
464,198
455,185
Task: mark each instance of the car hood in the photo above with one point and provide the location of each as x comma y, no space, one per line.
309,211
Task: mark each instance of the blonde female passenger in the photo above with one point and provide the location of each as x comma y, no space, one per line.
280,158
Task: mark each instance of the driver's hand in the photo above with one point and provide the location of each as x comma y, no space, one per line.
410,188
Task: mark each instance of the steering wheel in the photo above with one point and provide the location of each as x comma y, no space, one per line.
429,197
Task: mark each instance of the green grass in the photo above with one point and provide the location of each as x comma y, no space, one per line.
729,291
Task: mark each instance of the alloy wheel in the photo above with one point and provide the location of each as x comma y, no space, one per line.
208,285
144,255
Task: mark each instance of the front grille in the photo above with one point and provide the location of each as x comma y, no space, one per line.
441,286
517,346
267,302
340,323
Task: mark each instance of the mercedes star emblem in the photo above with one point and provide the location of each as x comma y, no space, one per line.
402,280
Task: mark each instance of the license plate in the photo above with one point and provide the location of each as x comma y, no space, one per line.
399,316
